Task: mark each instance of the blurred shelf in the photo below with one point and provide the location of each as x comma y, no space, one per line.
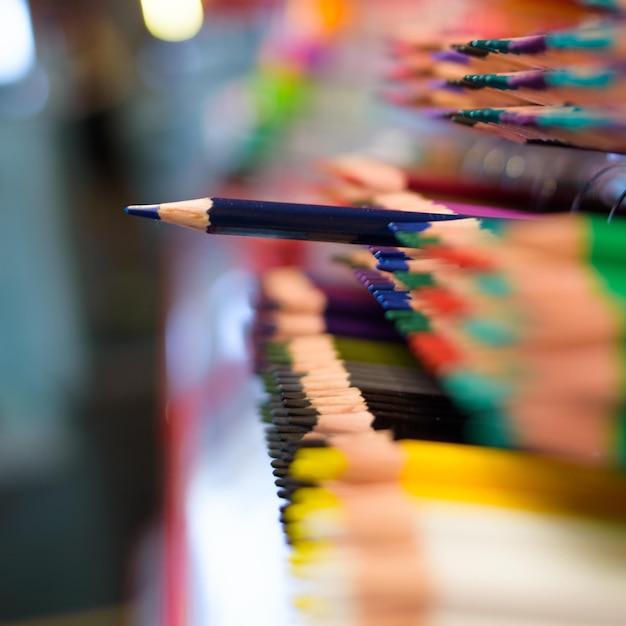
224,559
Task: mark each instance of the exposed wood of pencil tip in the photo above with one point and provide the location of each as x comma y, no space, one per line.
189,213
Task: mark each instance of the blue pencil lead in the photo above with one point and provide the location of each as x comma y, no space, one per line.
392,265
151,211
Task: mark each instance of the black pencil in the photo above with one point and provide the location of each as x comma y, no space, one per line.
286,220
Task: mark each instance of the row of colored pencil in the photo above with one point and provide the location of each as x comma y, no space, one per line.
451,534
563,86
392,518
524,327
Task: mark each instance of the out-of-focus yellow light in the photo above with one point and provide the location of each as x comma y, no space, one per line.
173,20
17,51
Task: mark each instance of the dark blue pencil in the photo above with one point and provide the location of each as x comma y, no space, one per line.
286,220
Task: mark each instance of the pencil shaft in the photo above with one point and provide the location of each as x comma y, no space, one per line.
288,220
366,225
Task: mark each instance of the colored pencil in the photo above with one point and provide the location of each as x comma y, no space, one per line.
600,38
455,166
469,474
591,128
310,222
585,84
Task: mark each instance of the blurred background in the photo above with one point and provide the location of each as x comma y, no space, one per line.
103,104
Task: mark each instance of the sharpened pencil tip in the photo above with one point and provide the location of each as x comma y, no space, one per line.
151,211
